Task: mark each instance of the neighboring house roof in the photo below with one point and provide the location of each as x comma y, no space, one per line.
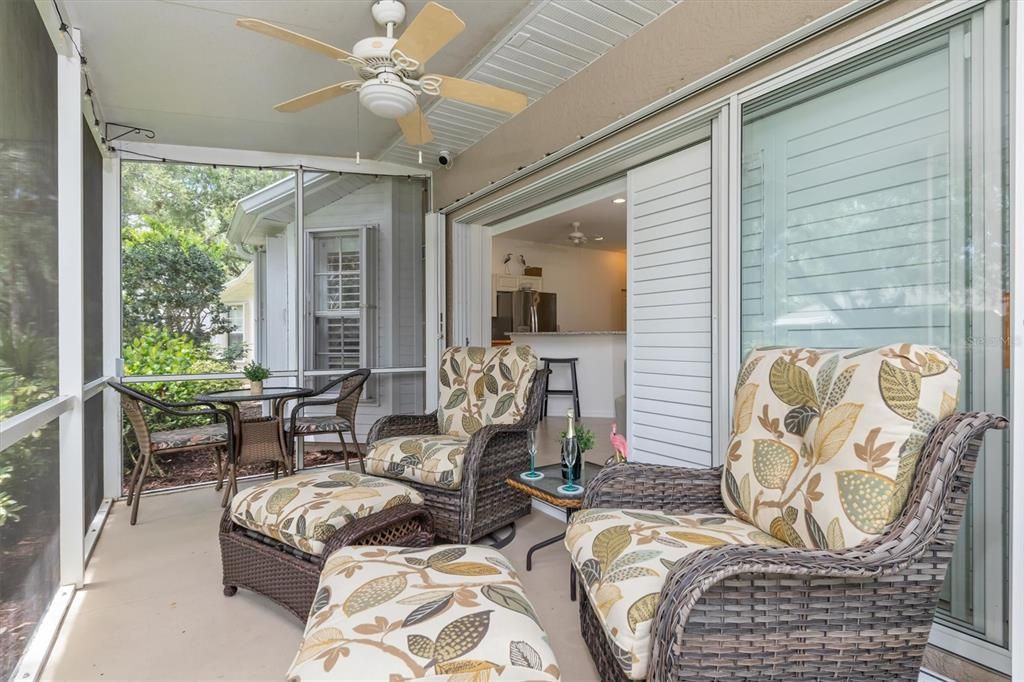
268,211
242,288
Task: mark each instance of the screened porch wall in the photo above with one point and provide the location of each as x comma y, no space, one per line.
386,217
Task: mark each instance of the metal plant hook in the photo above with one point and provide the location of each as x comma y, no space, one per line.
127,130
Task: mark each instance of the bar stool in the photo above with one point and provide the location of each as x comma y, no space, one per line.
574,392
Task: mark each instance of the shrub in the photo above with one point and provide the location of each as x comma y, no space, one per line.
157,352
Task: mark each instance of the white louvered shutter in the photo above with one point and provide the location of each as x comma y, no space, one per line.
669,290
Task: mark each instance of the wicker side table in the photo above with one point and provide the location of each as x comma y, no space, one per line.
546,490
259,439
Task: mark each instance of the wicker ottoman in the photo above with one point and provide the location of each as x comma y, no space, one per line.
275,536
441,613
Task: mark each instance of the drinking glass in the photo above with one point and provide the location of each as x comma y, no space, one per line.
571,454
532,474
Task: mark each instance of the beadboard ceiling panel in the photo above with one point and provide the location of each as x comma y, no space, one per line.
555,40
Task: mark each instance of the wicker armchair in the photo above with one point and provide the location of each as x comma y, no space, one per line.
771,611
346,402
484,502
216,436
746,611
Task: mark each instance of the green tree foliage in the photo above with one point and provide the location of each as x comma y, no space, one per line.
198,199
172,280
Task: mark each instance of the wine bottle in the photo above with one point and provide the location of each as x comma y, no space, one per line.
571,451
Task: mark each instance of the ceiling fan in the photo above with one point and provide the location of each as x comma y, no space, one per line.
578,238
391,69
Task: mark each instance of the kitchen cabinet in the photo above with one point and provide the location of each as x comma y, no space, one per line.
512,283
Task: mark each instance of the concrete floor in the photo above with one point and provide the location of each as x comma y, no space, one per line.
152,607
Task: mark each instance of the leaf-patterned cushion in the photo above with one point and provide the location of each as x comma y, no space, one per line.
824,442
451,612
481,386
432,460
304,510
210,434
326,424
623,558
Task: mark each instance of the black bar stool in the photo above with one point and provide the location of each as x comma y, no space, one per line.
574,392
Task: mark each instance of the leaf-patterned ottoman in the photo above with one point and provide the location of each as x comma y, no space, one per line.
451,612
275,536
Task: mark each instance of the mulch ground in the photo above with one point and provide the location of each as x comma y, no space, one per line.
200,466
22,568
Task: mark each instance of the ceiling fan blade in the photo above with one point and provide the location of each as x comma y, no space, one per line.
284,34
415,129
433,28
481,94
317,96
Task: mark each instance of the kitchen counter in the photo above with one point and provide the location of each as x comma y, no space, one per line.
600,369
622,333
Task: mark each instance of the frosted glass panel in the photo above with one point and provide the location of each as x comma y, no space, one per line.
858,229
846,225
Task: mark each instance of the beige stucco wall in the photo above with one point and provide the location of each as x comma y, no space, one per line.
688,42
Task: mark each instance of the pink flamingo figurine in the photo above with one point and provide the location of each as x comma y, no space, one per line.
620,446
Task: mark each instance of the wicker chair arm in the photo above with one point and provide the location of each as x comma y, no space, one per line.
358,531
403,425
674,490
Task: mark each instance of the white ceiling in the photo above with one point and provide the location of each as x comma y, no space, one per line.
182,68
599,218
552,42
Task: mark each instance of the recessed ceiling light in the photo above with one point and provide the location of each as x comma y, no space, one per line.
598,239
618,200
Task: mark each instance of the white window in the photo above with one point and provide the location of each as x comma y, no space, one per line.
236,316
340,291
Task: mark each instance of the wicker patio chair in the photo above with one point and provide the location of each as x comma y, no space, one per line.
215,436
346,401
773,609
481,502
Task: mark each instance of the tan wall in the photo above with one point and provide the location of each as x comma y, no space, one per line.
686,43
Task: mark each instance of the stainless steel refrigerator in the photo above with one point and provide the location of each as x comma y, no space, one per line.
528,311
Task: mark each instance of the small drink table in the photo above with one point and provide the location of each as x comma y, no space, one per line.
546,490
256,440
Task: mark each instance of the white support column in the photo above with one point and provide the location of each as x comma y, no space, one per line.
1016,197
111,292
70,317
301,301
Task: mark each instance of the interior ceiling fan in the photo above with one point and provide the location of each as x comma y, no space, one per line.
391,69
578,238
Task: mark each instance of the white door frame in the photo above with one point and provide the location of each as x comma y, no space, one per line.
434,297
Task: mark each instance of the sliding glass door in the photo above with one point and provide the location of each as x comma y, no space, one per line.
867,218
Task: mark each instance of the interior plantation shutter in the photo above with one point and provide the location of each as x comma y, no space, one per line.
669,293
850,192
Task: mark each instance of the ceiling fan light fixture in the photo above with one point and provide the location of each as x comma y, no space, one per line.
387,100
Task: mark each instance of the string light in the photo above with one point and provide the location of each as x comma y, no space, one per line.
65,28
314,169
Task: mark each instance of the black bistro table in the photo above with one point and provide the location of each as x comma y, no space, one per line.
546,490
260,439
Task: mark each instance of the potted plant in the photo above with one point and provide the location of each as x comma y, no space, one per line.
585,442
255,373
